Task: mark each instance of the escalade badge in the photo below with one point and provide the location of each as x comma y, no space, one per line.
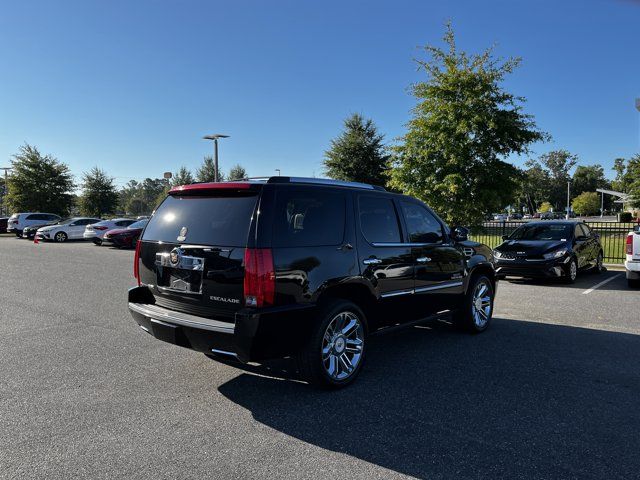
174,256
183,234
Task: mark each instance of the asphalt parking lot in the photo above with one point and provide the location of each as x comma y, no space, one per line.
550,391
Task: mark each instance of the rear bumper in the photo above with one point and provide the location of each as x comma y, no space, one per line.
532,269
253,335
92,236
632,269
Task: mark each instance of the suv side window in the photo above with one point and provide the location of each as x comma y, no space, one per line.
578,232
308,217
378,219
422,226
34,216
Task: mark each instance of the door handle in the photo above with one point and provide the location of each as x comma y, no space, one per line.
423,259
371,261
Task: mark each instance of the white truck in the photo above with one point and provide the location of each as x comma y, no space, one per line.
632,260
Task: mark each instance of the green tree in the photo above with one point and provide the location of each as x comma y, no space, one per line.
628,178
545,207
558,164
587,203
463,127
358,154
588,178
39,183
633,180
207,171
182,177
140,198
535,185
237,172
620,167
99,194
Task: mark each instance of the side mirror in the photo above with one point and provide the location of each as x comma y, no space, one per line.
460,234
504,237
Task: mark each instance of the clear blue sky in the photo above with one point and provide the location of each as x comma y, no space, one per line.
131,86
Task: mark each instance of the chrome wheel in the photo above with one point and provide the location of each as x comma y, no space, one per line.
599,263
342,346
481,304
60,237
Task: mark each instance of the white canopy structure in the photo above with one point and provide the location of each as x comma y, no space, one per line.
622,197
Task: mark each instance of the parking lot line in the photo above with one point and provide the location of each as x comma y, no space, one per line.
600,284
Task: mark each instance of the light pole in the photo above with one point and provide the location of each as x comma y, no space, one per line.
5,188
215,138
568,197
278,170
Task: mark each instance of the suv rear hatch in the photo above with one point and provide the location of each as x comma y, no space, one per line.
192,250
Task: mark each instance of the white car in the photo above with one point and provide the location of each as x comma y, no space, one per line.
500,217
67,229
96,231
18,221
632,259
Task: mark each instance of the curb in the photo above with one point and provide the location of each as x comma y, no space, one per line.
614,267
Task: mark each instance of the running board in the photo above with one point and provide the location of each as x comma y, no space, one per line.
393,328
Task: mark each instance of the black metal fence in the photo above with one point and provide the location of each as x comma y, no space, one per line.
612,236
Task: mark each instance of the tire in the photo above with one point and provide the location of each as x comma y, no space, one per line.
335,351
60,237
97,242
477,305
598,268
633,282
571,272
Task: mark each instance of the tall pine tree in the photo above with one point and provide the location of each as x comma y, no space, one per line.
358,154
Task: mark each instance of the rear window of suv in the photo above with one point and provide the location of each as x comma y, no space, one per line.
308,217
223,220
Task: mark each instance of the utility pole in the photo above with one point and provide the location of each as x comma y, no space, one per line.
215,138
4,191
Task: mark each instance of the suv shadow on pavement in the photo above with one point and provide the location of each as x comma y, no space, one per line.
524,400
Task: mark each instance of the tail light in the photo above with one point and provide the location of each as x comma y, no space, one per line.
629,244
136,262
99,228
259,277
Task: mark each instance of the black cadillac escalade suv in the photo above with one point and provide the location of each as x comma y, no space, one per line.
305,268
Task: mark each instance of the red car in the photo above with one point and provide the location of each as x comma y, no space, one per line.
125,237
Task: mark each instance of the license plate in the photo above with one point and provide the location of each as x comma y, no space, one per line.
182,275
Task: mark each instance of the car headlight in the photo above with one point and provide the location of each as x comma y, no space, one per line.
556,254
497,253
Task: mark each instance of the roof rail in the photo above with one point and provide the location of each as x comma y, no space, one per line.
324,181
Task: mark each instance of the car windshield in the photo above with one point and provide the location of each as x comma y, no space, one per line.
139,224
64,221
542,232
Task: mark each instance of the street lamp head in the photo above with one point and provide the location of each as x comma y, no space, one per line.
215,136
